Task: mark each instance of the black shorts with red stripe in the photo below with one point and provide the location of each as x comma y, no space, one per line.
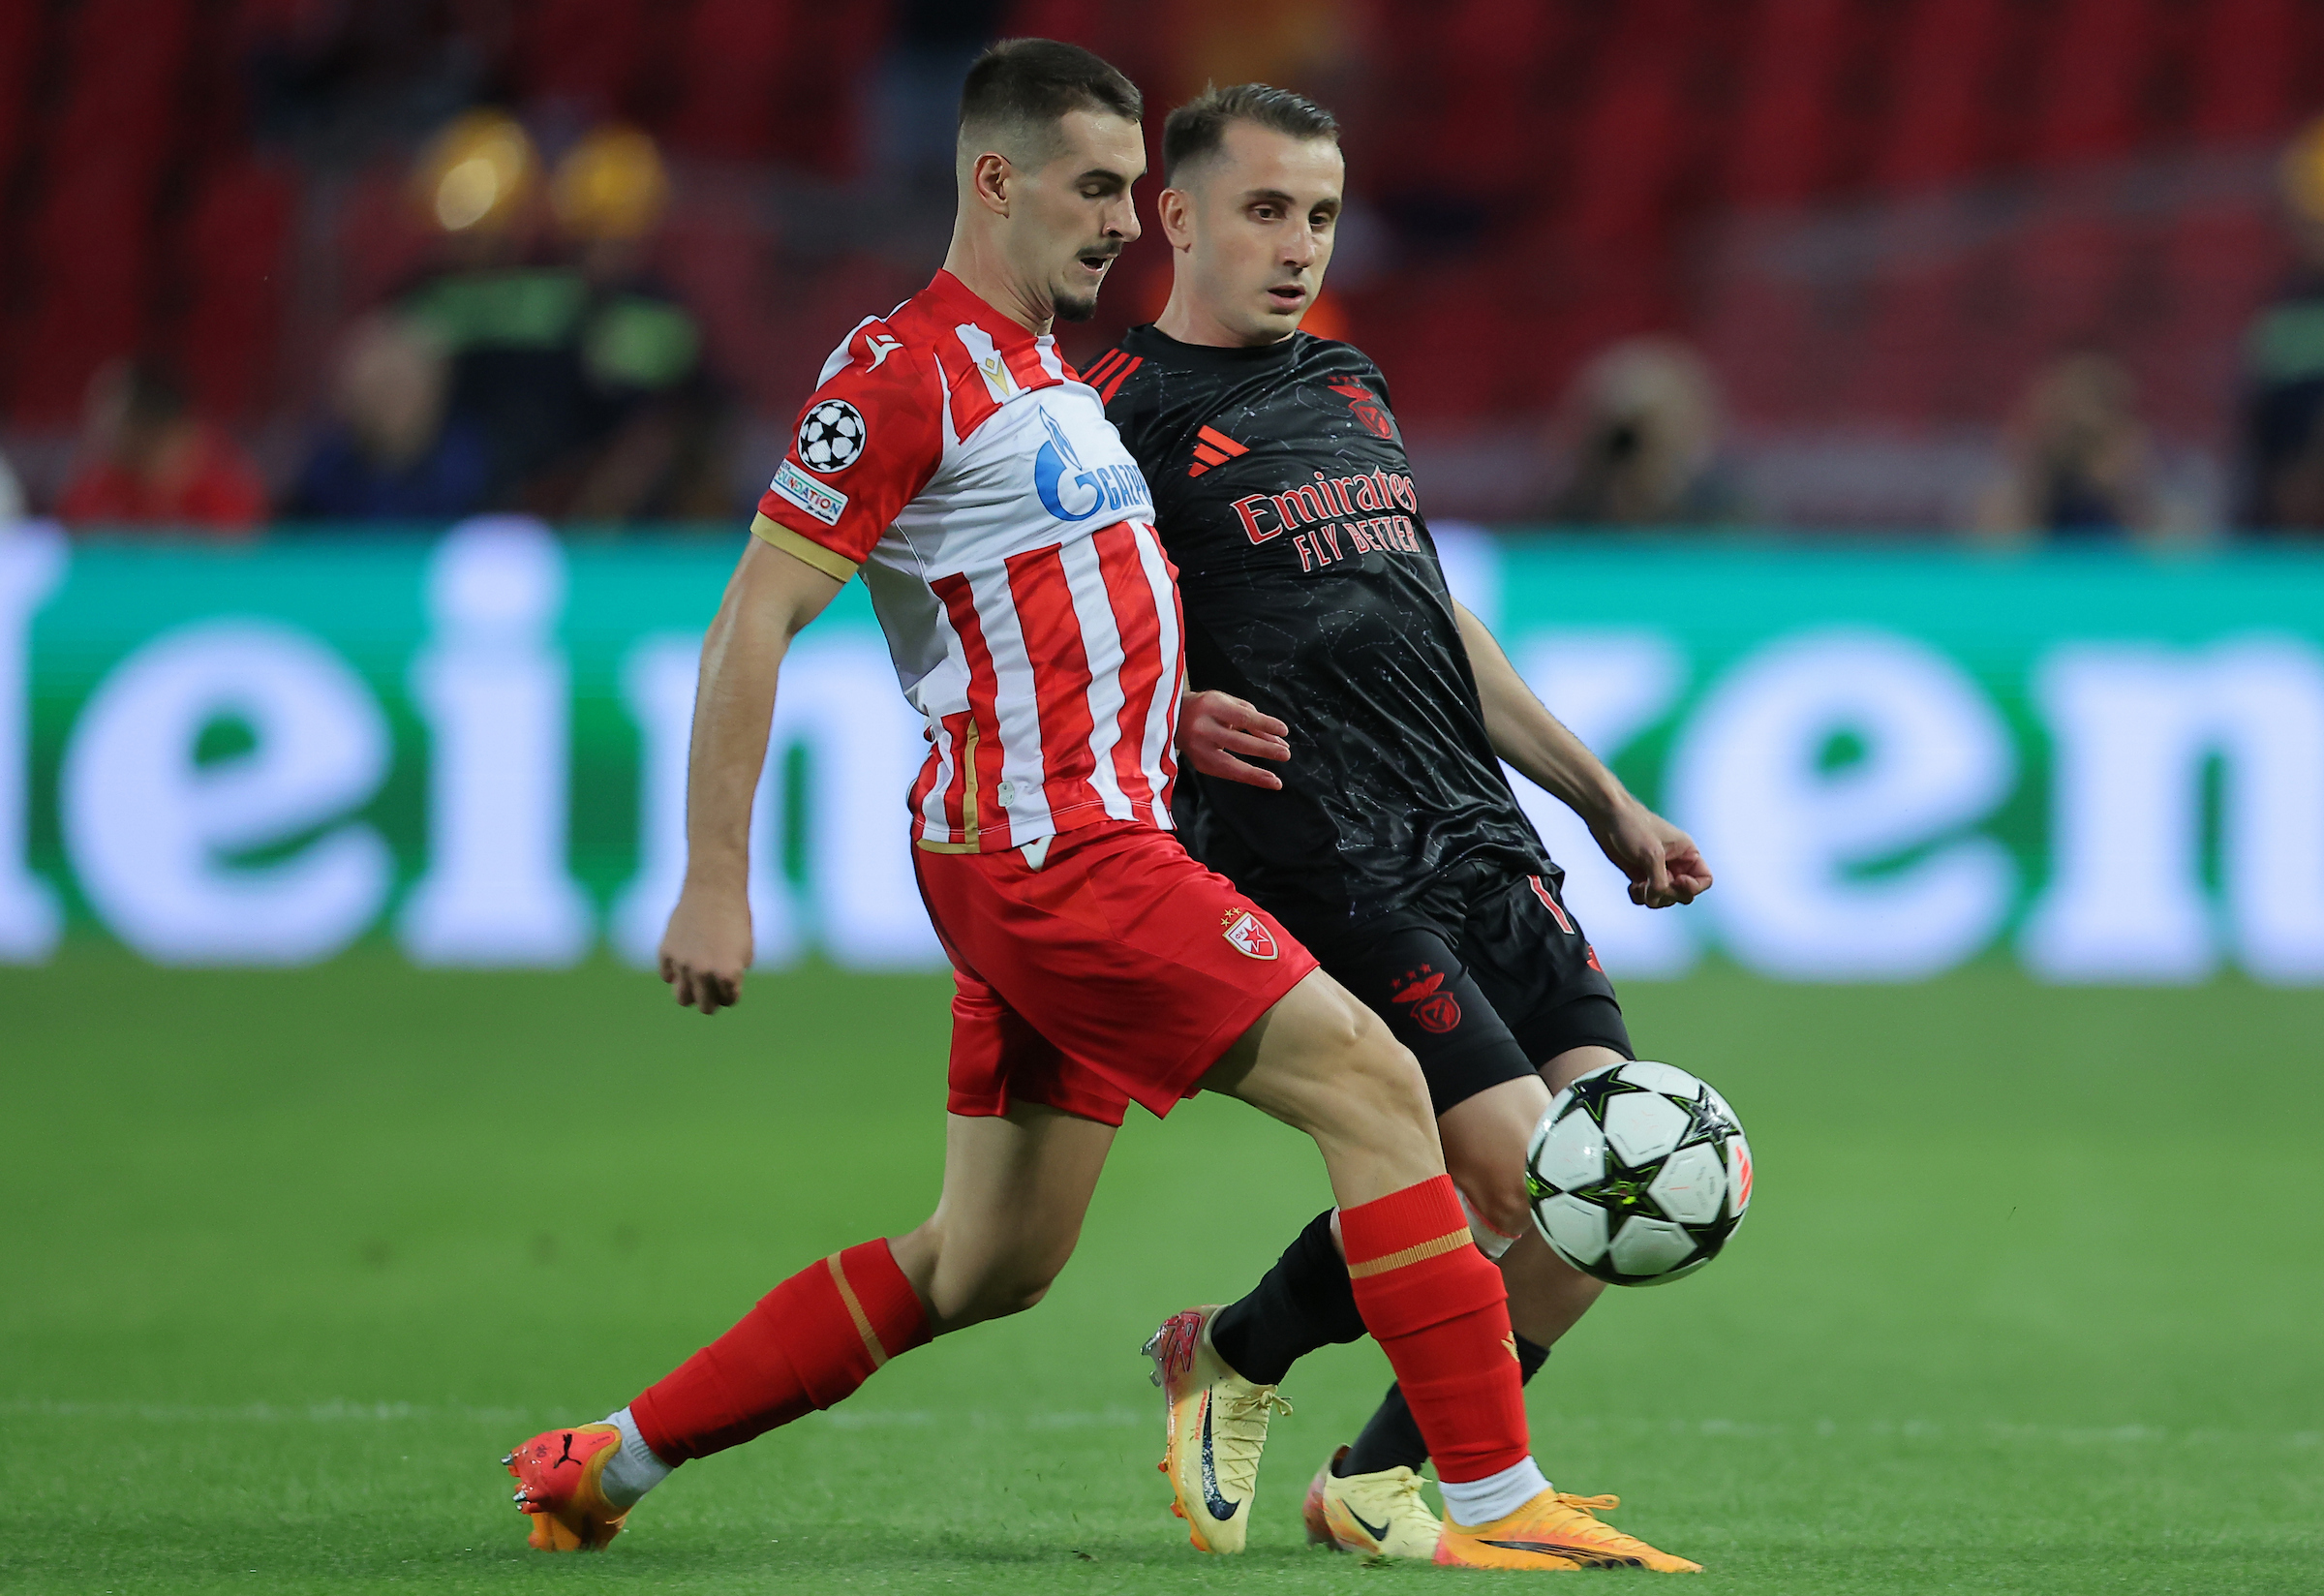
1486,975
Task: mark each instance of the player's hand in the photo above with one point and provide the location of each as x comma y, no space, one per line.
1663,865
707,949
1213,727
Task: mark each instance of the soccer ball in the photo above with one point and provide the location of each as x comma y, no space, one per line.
831,436
1638,1173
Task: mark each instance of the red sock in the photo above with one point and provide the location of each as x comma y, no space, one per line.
808,1344
1438,1310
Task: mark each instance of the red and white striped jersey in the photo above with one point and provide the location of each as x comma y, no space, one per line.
1007,541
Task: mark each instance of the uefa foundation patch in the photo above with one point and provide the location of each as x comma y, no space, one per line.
1247,934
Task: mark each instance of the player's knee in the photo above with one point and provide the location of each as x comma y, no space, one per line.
1487,1162
1497,1196
1379,1072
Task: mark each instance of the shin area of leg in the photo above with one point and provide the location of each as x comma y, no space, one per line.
1547,1295
808,1344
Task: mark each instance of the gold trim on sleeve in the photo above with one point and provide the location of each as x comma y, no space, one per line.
833,564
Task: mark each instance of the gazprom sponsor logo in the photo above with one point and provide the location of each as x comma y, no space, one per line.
1071,491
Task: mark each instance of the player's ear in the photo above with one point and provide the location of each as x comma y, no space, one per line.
1173,209
991,179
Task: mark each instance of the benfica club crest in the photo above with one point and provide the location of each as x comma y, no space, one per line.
1365,409
1433,1009
1247,934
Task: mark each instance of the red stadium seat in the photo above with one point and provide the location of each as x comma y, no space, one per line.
1779,149
731,63
92,284
88,281
234,248
2246,53
1935,130
2094,66
587,53
22,35
1632,138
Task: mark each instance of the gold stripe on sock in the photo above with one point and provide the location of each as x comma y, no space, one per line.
1453,1240
855,1311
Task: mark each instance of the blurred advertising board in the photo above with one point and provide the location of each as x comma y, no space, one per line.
2106,765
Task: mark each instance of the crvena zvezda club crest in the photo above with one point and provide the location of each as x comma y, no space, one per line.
1365,409
1247,934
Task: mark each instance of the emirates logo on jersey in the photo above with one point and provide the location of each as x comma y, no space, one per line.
1247,934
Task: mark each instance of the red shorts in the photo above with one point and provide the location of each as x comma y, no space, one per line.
1115,974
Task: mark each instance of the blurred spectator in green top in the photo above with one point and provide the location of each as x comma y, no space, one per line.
1644,420
585,375
2282,487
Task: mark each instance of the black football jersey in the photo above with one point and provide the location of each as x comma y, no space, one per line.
1311,588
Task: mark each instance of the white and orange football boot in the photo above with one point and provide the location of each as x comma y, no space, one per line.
1376,1515
1215,1430
1556,1530
559,1476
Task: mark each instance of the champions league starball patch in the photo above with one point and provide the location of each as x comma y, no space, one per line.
831,437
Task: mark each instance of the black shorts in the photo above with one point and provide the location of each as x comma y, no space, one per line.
1486,976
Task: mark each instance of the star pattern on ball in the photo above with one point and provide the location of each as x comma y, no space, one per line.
1591,1093
1706,1120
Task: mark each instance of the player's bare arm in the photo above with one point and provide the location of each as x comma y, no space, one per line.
770,596
1663,865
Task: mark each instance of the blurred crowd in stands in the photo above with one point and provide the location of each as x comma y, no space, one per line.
579,259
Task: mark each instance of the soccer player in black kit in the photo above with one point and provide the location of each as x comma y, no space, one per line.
1321,638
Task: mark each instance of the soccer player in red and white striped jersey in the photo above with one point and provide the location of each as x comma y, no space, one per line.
951,459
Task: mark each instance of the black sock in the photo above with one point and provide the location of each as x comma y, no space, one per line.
1303,1303
1392,1439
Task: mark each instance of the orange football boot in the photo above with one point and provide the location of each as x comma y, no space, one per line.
559,1477
1556,1530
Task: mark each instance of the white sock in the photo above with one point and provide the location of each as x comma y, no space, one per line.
1474,1502
633,1470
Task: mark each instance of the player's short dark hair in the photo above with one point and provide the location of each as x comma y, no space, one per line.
1198,129
1019,90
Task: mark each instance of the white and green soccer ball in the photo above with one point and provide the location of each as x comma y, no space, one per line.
1638,1173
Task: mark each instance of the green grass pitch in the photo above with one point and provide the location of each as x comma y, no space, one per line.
2029,1301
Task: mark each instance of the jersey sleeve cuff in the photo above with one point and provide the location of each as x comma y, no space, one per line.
829,562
